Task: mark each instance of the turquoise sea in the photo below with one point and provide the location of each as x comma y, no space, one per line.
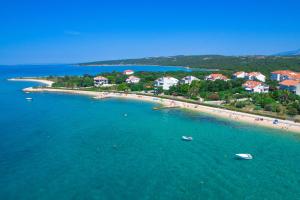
63,146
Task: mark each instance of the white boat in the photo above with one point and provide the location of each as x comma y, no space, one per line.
186,138
28,98
244,156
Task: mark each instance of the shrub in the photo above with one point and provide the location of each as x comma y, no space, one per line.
240,104
292,111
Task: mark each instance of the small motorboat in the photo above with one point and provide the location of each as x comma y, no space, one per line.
244,156
186,138
28,98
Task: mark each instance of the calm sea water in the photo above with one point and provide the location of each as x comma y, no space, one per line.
73,147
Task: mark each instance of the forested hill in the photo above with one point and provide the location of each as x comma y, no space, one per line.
231,63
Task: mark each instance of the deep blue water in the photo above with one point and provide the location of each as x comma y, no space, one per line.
63,146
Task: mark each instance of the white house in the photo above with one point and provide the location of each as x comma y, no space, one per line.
256,87
239,75
133,79
282,75
188,80
166,82
128,72
290,85
214,77
100,80
256,76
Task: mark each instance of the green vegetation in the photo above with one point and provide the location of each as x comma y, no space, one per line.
209,90
264,64
278,101
73,81
229,93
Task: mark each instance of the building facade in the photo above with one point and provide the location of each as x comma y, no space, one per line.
214,77
239,75
255,76
290,85
166,82
133,79
188,80
282,75
100,80
255,87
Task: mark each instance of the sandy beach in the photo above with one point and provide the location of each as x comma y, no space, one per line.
226,114
46,82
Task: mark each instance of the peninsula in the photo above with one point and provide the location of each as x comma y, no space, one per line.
249,97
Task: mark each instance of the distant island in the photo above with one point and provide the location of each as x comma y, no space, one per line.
289,53
264,64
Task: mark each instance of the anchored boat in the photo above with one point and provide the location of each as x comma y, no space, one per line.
244,156
187,138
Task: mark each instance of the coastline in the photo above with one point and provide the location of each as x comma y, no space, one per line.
284,125
46,82
121,65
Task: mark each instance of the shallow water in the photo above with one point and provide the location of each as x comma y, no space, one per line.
61,146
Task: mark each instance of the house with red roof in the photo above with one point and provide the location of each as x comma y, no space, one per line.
290,85
281,75
255,87
255,76
128,72
241,74
214,77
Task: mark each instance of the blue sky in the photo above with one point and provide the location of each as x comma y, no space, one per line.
78,31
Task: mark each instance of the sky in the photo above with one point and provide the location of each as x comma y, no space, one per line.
65,31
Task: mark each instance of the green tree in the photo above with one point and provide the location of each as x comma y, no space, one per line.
194,88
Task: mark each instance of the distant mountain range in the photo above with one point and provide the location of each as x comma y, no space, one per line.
289,53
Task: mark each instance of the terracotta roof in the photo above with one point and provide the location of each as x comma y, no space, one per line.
283,72
288,73
252,84
295,76
128,71
218,76
290,82
238,73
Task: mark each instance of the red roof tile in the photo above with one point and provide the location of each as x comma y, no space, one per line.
252,84
290,82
